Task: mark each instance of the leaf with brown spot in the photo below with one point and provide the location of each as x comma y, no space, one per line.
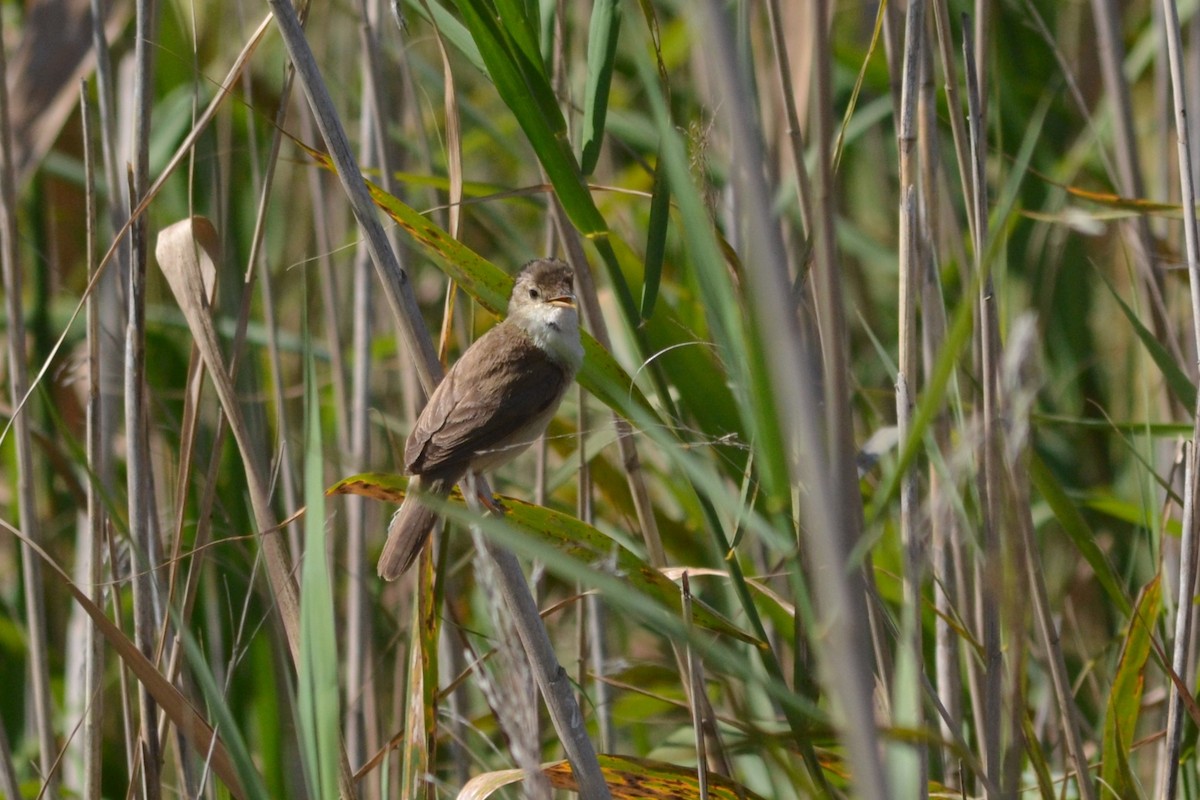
386,486
566,534
630,778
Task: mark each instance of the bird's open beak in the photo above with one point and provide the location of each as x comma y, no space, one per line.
564,300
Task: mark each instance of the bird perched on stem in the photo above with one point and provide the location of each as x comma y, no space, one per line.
493,403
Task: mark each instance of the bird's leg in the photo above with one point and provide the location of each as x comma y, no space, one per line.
479,487
492,504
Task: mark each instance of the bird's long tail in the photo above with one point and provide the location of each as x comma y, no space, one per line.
410,526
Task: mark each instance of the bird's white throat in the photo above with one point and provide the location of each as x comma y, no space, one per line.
554,329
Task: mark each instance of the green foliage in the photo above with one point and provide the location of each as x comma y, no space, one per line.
317,680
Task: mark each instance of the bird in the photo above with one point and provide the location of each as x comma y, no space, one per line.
495,401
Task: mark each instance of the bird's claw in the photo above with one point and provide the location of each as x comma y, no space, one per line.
493,505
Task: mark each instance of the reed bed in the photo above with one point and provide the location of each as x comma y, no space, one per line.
879,480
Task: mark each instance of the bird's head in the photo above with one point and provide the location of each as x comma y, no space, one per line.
543,304
543,282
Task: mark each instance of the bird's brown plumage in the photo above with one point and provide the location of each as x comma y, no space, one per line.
459,425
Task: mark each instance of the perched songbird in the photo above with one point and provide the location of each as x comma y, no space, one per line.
493,403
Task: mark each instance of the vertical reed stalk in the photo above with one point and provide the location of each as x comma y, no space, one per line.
8,773
990,567
552,679
39,695
394,279
358,622
695,678
1048,632
146,610
941,18
906,693
943,528
93,676
1168,768
1180,662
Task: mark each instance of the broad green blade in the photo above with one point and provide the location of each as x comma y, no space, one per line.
317,671
601,54
656,239
1125,697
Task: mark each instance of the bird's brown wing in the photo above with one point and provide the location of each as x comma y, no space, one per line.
460,420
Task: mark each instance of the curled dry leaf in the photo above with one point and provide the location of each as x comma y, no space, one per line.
187,253
485,784
627,778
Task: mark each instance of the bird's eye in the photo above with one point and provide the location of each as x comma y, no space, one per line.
533,294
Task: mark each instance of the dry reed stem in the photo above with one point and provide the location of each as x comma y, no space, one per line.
943,532
551,678
358,702
990,568
1181,654
795,132
143,531
1168,767
19,386
695,679
1048,632
93,670
941,17
912,535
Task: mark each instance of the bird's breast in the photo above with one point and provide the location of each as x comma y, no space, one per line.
555,330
